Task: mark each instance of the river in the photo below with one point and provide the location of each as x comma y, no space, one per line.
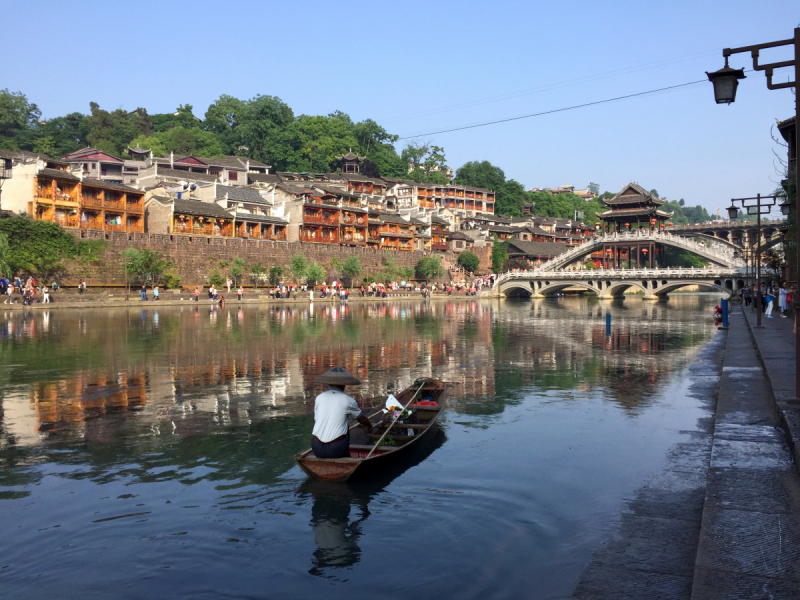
149,453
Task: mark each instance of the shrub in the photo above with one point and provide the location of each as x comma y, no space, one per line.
516,263
216,279
237,270
172,281
429,267
314,273
299,265
469,261
275,274
146,266
257,273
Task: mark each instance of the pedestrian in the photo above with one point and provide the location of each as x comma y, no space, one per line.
311,294
81,287
783,292
240,291
155,293
46,295
228,282
769,299
196,293
144,292
747,295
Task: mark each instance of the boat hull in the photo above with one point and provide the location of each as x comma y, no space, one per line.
343,469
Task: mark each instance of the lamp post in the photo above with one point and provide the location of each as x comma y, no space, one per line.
725,81
759,208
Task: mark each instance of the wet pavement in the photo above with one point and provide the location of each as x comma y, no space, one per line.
750,540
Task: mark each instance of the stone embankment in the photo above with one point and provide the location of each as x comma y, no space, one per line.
196,258
723,519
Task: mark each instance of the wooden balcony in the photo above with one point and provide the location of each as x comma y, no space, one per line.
135,205
92,201
67,221
114,204
321,220
441,246
316,237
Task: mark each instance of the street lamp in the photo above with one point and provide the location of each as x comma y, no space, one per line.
725,83
759,208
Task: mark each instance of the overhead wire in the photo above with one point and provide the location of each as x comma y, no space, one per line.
557,110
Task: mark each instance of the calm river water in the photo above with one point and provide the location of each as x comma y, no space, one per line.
150,453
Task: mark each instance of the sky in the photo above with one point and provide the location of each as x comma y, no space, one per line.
421,67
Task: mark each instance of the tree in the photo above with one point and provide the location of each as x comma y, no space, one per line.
19,120
429,267
499,254
112,131
516,263
237,270
594,188
299,266
68,133
352,267
424,162
145,266
275,274
181,140
654,193
480,174
38,247
256,273
314,273
5,267
469,261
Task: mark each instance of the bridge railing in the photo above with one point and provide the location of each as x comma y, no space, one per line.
719,252
584,274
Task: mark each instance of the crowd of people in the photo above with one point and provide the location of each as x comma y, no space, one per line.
30,291
772,296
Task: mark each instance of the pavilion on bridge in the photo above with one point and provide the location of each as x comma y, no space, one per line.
632,209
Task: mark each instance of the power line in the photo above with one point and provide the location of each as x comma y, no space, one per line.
556,110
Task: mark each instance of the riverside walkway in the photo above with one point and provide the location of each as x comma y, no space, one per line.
723,519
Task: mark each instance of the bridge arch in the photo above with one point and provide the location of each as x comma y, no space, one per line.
517,289
618,288
718,285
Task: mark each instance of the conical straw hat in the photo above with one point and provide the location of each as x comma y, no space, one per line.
337,376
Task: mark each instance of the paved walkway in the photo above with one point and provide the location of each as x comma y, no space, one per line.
750,536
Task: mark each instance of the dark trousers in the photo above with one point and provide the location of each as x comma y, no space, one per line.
336,449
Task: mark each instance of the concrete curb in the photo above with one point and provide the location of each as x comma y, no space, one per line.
787,415
150,303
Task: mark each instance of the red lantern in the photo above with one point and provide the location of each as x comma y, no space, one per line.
627,224
670,224
662,226
652,221
644,250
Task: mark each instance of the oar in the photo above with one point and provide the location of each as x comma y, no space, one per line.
356,424
378,443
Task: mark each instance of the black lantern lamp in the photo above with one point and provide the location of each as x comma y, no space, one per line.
786,208
733,212
725,81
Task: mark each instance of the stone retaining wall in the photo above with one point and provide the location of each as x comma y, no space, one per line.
196,257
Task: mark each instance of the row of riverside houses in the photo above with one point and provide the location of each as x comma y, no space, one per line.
237,197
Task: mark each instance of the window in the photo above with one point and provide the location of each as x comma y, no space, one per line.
233,175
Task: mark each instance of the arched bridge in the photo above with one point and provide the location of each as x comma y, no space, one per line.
654,283
722,255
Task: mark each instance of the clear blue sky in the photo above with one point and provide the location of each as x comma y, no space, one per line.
418,67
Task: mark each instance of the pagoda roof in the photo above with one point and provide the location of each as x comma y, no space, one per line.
633,193
633,212
351,156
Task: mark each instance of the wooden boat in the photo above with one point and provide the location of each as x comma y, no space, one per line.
422,419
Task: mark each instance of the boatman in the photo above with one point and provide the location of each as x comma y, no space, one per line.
332,411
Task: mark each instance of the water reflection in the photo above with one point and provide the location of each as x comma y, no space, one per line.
73,368
338,510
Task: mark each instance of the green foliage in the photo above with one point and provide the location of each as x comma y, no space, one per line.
237,270
172,281
687,214
510,195
18,120
299,266
516,263
424,162
112,131
594,188
677,257
352,267
39,247
146,266
216,279
257,271
5,268
499,254
314,273
275,274
469,261
429,267
181,140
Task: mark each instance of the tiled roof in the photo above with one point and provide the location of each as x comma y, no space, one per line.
56,174
439,220
184,175
242,194
536,249
259,218
111,185
646,211
264,177
359,177
391,218
201,209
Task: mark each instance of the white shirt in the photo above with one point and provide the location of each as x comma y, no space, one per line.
331,412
